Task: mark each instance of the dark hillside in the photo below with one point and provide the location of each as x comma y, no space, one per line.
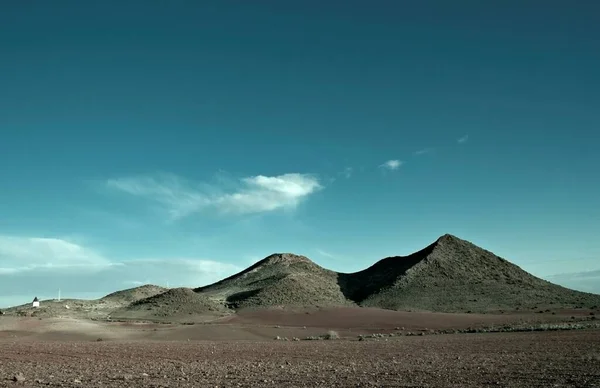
281,279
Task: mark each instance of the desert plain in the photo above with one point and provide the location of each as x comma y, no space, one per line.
451,315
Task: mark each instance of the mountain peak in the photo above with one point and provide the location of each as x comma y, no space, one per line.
449,275
286,258
448,238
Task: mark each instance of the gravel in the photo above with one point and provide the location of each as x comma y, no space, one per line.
538,359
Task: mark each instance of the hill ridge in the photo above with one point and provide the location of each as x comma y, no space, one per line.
451,275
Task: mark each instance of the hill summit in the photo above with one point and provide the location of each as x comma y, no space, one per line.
176,302
449,275
134,294
278,280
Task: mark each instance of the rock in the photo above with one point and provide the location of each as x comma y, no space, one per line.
77,381
19,378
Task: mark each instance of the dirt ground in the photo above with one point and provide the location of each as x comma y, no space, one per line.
241,351
539,359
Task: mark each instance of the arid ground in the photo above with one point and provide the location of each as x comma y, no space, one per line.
241,351
450,315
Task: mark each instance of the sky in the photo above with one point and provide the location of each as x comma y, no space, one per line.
176,143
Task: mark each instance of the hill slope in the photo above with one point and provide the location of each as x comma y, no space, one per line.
134,294
454,275
82,308
280,279
450,275
174,303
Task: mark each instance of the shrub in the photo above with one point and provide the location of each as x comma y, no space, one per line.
313,338
332,335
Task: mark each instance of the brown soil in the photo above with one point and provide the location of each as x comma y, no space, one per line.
561,359
357,318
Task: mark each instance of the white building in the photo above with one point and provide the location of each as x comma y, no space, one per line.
36,302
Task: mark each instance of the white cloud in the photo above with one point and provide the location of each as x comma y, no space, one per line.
263,194
254,194
39,267
325,253
348,171
463,139
392,164
423,151
587,281
30,253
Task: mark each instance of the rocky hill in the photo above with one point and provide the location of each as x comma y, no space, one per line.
178,303
454,275
131,295
84,308
450,275
282,279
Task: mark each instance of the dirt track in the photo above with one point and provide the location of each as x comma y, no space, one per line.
541,359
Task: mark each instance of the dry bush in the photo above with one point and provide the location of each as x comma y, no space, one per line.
332,335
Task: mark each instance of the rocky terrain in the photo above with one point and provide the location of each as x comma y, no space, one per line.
454,275
279,280
178,304
450,275
132,295
89,309
549,359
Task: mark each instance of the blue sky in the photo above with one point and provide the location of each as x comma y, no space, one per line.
179,142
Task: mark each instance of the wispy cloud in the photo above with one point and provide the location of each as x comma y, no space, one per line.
255,194
392,164
325,253
463,139
31,253
348,171
423,151
39,266
588,281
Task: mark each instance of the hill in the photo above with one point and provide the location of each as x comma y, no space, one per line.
84,308
134,294
454,275
179,303
282,279
450,275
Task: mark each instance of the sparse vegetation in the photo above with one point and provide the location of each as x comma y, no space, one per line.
280,279
332,335
450,275
175,302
